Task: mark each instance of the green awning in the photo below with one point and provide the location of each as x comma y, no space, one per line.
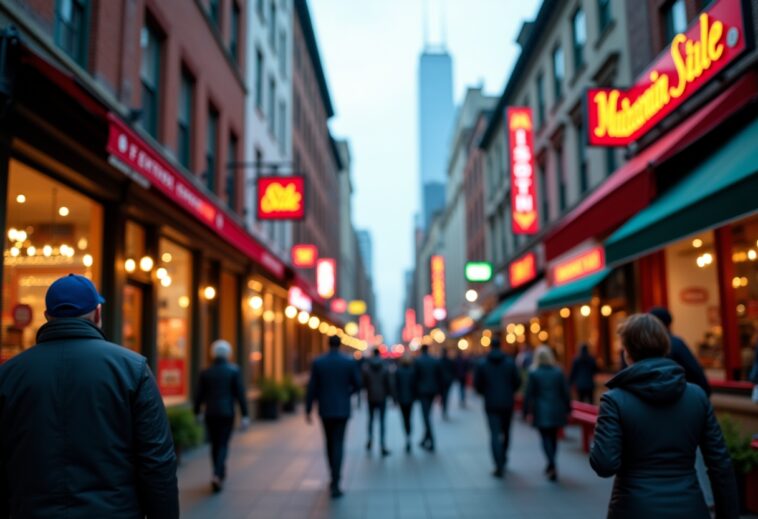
494,319
722,188
579,291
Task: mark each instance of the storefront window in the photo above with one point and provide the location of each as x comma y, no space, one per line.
745,284
51,231
174,299
254,326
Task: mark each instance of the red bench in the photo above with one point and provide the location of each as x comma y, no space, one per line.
584,415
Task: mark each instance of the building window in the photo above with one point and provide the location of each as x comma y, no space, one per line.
272,106
675,18
282,127
604,14
610,161
259,80
150,78
214,12
579,36
72,28
540,100
234,32
559,72
283,53
184,120
211,150
559,173
544,193
231,173
581,154
272,27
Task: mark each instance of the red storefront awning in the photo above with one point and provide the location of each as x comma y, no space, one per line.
631,188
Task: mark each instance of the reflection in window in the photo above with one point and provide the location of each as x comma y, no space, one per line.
71,31
675,15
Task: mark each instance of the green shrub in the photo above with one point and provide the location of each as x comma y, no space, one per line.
186,431
292,391
272,391
744,457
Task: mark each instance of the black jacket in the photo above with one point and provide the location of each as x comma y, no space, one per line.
84,431
447,367
497,379
547,397
693,371
376,381
334,377
583,371
405,384
219,388
650,425
428,376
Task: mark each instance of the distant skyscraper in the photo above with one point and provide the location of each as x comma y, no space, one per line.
366,248
436,114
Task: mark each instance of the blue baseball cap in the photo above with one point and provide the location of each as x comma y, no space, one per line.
72,296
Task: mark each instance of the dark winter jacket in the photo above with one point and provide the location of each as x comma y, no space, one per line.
220,387
84,431
650,425
497,379
428,376
405,384
693,371
334,378
583,371
547,397
376,381
462,367
447,368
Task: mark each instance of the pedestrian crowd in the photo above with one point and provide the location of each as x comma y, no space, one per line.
84,432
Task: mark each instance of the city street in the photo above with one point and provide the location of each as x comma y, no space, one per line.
277,470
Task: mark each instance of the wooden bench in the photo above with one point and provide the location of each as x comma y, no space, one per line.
584,415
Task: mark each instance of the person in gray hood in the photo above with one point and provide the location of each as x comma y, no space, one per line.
376,381
650,425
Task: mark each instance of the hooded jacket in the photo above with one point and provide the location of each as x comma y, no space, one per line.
547,397
376,380
219,388
650,425
84,432
497,379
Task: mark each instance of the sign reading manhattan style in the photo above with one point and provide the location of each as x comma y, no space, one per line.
281,198
139,161
619,117
438,287
579,266
523,190
522,270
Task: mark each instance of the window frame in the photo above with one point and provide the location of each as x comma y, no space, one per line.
235,21
212,148
558,57
82,37
578,47
152,126
186,79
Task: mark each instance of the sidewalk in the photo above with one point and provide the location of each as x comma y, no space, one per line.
277,470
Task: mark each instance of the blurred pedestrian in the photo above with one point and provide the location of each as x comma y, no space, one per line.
376,381
334,378
650,425
462,368
548,402
447,368
497,379
219,388
753,376
405,394
84,431
525,357
428,386
582,377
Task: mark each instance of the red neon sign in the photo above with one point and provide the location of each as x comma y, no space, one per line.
523,270
409,330
326,277
619,117
304,256
429,320
281,198
438,287
579,266
339,306
523,189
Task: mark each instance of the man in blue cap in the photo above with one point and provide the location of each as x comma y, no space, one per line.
84,431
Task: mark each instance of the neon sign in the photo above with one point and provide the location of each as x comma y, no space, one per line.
579,266
523,190
281,198
522,270
326,277
438,287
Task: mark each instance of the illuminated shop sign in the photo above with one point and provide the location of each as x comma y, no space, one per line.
522,270
281,198
478,271
326,277
299,299
438,287
304,256
429,320
523,189
579,266
619,117
339,306
356,307
410,328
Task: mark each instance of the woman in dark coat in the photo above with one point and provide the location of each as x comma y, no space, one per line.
583,371
405,394
650,425
547,400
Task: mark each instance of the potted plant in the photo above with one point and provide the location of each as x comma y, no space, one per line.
744,459
187,433
293,393
271,397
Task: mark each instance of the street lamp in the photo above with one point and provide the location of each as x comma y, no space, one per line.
472,295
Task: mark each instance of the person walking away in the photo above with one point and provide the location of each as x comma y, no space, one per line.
650,425
548,402
84,431
525,357
497,379
462,368
219,388
334,378
376,381
428,386
447,368
582,377
405,394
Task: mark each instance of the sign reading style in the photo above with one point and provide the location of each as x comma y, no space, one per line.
619,117
523,189
326,277
579,266
438,287
304,256
281,198
522,270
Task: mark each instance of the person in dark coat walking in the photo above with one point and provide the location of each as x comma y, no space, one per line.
548,402
334,378
447,369
376,381
428,386
497,379
405,394
582,377
219,388
462,368
650,425
84,431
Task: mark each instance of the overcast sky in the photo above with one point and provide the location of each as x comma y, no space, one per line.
370,51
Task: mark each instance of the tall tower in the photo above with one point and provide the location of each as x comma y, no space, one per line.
436,114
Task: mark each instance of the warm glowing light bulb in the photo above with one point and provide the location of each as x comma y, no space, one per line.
166,281
313,322
15,252
290,312
166,257
303,317
12,233
21,236
161,273
463,344
130,265
697,243
31,251
519,329
47,251
472,296
87,260
585,310
146,264
209,293
752,255
184,302
486,341
256,302
63,211
565,312
534,327
543,335
606,310
82,243
21,199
